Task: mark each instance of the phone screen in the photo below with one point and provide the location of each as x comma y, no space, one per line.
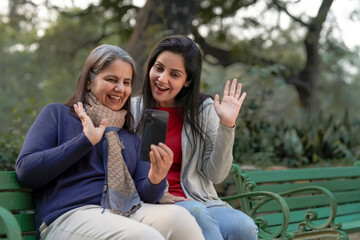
154,131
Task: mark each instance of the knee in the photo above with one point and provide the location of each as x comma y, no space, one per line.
182,224
200,212
244,230
177,215
138,232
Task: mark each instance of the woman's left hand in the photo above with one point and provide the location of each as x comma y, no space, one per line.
161,159
230,106
94,134
168,198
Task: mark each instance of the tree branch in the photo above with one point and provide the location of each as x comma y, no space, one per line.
282,7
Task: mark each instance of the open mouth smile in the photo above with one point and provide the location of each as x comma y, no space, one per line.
161,88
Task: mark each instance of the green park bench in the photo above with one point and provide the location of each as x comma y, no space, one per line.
17,220
315,203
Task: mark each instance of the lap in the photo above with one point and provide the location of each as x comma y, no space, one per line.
170,220
93,222
232,223
151,221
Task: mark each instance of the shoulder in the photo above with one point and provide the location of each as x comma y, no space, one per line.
207,105
207,111
55,108
55,111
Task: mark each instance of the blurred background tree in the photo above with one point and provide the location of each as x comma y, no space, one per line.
302,80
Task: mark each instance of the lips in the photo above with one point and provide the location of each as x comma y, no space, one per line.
114,97
161,88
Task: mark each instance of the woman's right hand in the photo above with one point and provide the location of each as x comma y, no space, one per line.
94,134
161,159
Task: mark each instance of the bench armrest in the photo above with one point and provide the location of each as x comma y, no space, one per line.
311,215
10,224
262,198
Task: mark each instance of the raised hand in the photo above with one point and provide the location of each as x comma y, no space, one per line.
94,134
161,158
230,106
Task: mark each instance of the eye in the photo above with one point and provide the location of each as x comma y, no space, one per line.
175,75
158,67
111,79
127,82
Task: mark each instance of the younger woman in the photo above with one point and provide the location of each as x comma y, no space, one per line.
200,133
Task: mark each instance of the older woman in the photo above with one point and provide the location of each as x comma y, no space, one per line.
84,165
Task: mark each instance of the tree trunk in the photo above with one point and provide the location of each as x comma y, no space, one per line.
157,19
309,75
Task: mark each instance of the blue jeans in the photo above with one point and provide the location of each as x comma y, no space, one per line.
220,222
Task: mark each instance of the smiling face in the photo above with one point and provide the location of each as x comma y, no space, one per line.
167,77
112,86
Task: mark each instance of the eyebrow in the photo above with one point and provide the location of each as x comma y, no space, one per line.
114,76
172,69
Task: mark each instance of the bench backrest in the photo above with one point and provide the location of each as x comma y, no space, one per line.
18,200
343,182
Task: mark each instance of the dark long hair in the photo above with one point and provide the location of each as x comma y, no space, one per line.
189,97
98,59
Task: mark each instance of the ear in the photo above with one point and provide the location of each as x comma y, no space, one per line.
187,83
89,85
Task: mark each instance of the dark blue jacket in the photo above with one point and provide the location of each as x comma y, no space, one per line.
66,170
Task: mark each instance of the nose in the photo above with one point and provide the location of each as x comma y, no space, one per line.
119,86
163,77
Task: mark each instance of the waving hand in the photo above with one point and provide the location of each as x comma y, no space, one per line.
230,106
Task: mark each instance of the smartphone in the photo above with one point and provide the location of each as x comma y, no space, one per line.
154,131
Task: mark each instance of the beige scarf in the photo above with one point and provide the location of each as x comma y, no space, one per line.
120,195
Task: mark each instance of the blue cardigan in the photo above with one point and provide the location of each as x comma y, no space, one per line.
66,170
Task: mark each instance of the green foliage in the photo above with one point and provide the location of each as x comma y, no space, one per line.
271,129
312,141
12,139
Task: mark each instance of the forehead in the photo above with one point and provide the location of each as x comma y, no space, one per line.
118,67
171,60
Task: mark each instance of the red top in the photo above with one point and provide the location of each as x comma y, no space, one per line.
173,141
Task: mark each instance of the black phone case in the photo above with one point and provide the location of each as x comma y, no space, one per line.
155,128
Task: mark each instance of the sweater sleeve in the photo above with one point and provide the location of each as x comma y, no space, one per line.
217,156
41,158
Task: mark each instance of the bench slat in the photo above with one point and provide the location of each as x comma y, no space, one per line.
302,174
29,237
347,197
16,200
350,208
296,216
9,180
26,221
309,201
350,222
338,185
